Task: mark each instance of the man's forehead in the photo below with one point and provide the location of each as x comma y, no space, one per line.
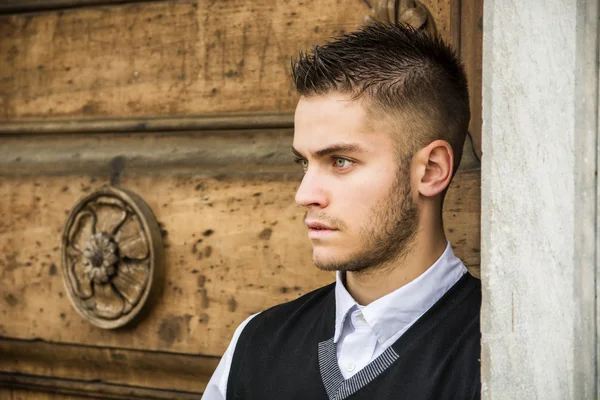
324,121
330,103
332,114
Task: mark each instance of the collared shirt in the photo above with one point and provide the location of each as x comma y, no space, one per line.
362,333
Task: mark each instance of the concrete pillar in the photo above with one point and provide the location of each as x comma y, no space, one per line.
540,199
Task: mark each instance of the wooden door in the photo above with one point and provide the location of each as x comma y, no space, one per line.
189,105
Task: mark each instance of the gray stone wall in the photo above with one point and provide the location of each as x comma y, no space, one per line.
539,199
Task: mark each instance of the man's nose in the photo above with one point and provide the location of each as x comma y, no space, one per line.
311,192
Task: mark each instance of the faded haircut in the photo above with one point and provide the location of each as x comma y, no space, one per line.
404,75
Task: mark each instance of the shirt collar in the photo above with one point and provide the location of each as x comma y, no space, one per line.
397,311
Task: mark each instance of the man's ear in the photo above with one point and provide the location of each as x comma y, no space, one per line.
434,165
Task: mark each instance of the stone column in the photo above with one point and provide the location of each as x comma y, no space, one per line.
539,200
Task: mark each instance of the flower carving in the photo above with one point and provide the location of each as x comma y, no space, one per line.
99,258
107,258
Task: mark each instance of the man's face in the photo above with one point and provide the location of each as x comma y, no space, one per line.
356,191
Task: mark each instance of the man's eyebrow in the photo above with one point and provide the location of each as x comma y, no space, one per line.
297,153
335,148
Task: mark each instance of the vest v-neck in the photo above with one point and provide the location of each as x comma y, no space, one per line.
338,388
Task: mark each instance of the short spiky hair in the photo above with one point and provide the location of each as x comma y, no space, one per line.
400,72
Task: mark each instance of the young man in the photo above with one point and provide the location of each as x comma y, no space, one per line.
379,131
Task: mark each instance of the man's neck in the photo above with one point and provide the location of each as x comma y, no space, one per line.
368,286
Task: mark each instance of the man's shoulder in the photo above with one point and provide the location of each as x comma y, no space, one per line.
305,301
287,331
305,308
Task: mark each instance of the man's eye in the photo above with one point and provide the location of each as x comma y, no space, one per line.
303,162
342,162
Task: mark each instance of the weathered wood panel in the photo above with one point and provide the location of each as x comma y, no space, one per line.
40,387
167,124
166,58
161,371
16,6
25,394
224,238
244,152
234,239
471,27
234,247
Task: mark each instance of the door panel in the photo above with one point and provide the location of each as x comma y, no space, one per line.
189,105
165,58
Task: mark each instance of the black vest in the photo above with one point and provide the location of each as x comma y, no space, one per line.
287,353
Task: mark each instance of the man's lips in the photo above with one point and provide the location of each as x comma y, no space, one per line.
318,230
313,225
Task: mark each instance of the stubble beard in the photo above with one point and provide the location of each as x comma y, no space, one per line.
388,237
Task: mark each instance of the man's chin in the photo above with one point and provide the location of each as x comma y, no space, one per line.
335,263
326,266
325,262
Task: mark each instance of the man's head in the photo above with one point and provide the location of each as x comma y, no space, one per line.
379,130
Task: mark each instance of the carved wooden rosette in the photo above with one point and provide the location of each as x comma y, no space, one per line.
411,12
111,252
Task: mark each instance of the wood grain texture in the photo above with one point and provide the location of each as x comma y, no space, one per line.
16,6
234,246
471,27
161,371
164,373
13,393
188,104
166,58
196,152
36,387
168,124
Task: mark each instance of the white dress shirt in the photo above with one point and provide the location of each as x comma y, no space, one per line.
362,333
